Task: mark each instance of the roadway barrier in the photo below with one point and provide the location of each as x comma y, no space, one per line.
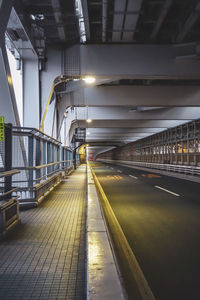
134,280
9,205
187,170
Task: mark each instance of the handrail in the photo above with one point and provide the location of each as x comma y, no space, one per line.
32,130
43,166
9,192
50,164
9,173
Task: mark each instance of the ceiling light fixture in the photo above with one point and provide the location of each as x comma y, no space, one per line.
89,79
89,121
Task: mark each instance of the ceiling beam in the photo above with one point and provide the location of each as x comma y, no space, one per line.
163,13
118,130
130,21
133,96
118,19
131,123
58,18
86,18
129,61
104,20
124,113
191,20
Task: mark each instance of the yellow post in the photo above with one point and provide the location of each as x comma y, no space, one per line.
46,108
2,129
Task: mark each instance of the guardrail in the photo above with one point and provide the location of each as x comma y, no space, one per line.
39,159
36,189
187,170
9,205
42,162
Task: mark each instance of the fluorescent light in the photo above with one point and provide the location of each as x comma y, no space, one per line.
87,132
89,121
89,79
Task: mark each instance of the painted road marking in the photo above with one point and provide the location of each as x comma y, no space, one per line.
159,187
151,175
133,176
114,177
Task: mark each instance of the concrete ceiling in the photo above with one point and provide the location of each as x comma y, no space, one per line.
144,55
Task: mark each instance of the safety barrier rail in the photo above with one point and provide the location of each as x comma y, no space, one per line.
9,205
188,170
41,162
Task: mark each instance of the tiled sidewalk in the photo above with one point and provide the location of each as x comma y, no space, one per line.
44,258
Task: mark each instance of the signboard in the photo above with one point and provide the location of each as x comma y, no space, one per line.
2,129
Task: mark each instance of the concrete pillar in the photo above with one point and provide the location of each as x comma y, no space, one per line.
7,95
31,92
53,68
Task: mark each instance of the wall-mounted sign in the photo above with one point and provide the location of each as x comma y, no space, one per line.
2,129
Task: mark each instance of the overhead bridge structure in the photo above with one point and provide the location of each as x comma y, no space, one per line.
99,149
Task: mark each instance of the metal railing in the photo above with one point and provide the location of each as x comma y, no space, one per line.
42,161
34,163
9,204
187,170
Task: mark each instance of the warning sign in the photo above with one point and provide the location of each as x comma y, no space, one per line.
1,129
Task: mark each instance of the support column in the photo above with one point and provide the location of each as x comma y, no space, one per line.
7,95
53,68
31,92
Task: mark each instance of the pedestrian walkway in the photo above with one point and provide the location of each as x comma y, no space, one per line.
44,257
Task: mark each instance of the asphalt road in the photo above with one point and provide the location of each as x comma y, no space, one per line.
162,228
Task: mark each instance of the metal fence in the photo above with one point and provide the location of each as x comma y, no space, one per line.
41,162
9,205
175,146
187,170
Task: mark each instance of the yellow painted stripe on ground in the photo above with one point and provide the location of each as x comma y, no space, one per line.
129,266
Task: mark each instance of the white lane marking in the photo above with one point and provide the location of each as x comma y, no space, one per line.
133,176
159,187
119,171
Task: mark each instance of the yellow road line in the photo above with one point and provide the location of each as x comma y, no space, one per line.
127,259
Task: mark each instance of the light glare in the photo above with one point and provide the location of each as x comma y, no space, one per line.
89,80
89,121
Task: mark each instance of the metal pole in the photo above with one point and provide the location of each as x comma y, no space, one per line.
30,160
8,158
38,159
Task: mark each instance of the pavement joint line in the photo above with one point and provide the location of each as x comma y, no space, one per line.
133,176
165,190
